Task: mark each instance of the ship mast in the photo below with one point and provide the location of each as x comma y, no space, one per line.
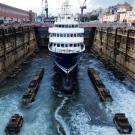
46,8
65,9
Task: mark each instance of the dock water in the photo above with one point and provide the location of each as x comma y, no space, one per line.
52,112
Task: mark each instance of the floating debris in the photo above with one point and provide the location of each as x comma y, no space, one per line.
101,58
25,62
15,71
18,68
11,75
32,55
118,74
32,88
109,66
100,87
122,124
14,124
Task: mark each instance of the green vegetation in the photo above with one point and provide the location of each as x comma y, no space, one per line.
91,17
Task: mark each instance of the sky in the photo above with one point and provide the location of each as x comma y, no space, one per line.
36,5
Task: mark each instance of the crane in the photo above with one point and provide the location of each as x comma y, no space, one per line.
83,6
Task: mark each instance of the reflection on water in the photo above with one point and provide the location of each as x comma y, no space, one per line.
53,113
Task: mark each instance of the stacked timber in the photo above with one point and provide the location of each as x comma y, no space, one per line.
32,88
14,124
122,124
100,87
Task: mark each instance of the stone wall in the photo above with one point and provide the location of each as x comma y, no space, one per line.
16,44
118,45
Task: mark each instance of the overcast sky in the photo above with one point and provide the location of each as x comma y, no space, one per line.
36,5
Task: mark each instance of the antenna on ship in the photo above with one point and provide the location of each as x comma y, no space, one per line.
46,8
58,4
42,13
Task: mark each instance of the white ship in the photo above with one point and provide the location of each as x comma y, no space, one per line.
66,44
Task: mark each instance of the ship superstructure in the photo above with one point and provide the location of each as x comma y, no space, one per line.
66,41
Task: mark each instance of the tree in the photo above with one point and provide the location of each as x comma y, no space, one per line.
92,17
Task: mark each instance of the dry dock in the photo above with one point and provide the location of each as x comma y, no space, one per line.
16,44
118,45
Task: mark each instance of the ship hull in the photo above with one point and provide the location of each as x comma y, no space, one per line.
66,64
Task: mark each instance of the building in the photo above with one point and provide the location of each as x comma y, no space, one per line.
110,18
125,6
118,13
128,16
10,14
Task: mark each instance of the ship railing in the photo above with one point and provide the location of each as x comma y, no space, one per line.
81,35
82,47
51,35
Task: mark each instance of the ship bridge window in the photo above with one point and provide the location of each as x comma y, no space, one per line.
66,45
69,26
74,45
58,45
67,35
70,45
61,35
72,26
57,35
54,45
74,35
64,35
60,26
66,26
78,45
62,45
76,26
71,35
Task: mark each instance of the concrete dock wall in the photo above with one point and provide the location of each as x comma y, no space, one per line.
16,44
118,45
